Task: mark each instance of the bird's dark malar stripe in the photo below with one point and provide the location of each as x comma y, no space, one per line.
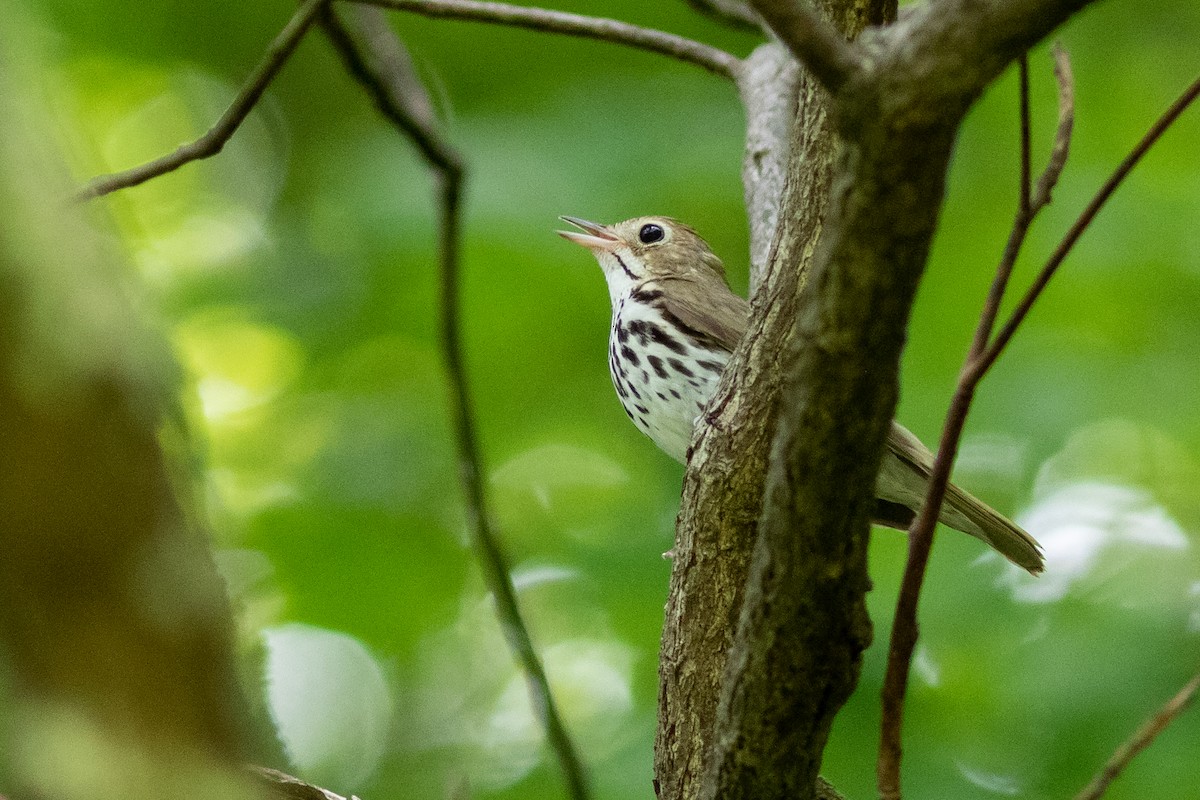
632,277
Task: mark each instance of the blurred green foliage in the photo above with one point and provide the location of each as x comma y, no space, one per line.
295,274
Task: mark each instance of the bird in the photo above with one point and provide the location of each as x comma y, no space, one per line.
675,324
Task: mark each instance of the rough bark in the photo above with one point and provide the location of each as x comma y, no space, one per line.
722,493
768,83
796,654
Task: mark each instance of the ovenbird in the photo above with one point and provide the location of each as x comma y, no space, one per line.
675,323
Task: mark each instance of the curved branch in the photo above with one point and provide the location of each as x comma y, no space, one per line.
920,537
734,13
1156,131
711,58
813,41
211,143
382,66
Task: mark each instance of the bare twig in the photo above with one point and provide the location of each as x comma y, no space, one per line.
735,13
1141,739
981,358
605,30
1026,140
382,66
1062,137
214,140
1029,204
813,41
920,537
1085,219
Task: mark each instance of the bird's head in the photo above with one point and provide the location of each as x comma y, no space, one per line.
642,248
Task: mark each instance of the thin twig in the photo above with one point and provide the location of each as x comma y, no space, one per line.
979,361
214,140
1030,202
1085,219
813,41
606,30
921,532
735,13
382,66
1062,136
1023,201
1141,739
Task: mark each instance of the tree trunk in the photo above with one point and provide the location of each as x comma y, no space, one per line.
723,488
766,618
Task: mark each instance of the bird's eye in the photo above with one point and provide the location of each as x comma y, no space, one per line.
649,234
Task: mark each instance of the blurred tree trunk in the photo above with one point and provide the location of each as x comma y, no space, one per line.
115,632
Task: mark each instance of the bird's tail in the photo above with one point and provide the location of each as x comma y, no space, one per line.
968,514
903,478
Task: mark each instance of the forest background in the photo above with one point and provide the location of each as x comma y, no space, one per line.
295,276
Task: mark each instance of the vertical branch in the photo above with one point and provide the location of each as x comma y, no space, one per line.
384,70
1081,224
1026,147
769,85
980,359
790,146
920,537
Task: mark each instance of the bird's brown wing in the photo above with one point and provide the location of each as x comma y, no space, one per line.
713,316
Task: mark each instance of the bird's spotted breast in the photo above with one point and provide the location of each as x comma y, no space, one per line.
664,372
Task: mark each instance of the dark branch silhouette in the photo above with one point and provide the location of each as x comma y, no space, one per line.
377,59
214,140
605,30
980,359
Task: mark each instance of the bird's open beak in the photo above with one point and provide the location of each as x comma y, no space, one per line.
594,236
